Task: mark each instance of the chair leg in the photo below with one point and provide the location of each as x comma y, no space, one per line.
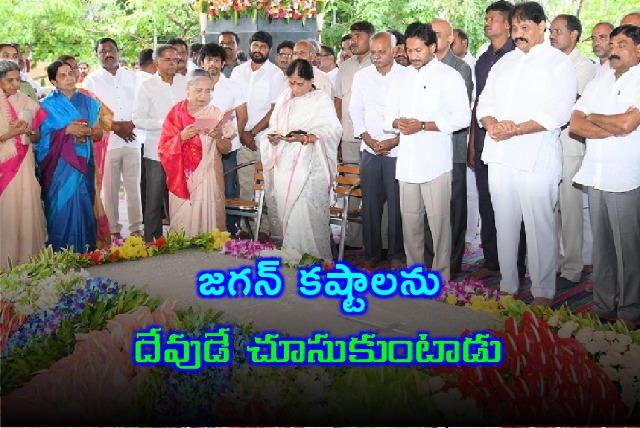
249,228
343,230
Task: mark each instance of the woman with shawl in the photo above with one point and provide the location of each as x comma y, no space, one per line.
299,155
191,155
22,226
66,161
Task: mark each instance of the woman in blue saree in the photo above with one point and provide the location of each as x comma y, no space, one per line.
66,162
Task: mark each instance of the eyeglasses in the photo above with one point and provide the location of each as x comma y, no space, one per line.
284,55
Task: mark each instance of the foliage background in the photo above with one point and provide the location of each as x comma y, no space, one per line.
49,28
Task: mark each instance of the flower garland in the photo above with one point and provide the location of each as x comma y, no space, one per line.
268,9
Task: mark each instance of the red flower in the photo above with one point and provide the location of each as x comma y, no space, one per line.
541,376
160,242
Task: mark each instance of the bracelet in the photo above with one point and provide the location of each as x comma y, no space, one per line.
307,139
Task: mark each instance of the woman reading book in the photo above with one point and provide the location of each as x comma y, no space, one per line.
193,138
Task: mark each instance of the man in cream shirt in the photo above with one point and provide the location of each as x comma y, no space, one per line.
428,102
527,99
565,33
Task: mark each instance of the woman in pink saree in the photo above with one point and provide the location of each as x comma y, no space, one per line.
191,156
22,223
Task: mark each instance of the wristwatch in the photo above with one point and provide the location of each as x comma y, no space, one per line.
423,126
252,134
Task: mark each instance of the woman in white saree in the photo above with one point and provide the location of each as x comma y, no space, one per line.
191,157
299,154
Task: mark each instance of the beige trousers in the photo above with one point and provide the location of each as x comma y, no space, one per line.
432,197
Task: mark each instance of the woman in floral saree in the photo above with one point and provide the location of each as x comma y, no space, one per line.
66,162
22,226
192,159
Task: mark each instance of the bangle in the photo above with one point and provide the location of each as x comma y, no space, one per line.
307,139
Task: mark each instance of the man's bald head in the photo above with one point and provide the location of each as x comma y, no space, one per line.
386,38
444,31
304,50
632,18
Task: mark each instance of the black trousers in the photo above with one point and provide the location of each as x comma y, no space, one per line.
379,184
156,181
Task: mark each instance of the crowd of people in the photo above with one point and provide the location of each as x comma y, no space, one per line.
531,140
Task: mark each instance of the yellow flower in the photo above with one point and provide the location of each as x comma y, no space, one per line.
451,299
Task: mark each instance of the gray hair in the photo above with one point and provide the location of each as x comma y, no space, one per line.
315,46
6,66
196,74
161,48
380,34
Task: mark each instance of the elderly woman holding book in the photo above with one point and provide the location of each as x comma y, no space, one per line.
194,137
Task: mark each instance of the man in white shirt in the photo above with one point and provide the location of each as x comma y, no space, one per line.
369,97
154,98
428,102
600,45
608,116
262,83
305,50
227,94
147,68
527,98
116,87
564,34
360,33
194,54
328,64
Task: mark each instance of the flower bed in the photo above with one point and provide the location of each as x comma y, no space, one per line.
66,345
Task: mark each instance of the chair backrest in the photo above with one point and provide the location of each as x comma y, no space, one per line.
258,181
347,177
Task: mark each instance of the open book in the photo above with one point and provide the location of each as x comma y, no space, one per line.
211,122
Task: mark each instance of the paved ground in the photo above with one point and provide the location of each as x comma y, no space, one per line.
175,275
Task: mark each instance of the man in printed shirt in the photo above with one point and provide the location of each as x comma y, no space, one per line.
527,99
154,98
428,102
369,97
608,116
116,87
565,33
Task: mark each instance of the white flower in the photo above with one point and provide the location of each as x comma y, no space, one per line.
598,335
610,335
435,384
584,335
612,373
567,329
624,339
605,361
592,347
553,321
617,346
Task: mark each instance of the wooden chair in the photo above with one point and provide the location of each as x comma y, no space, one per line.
249,208
345,186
